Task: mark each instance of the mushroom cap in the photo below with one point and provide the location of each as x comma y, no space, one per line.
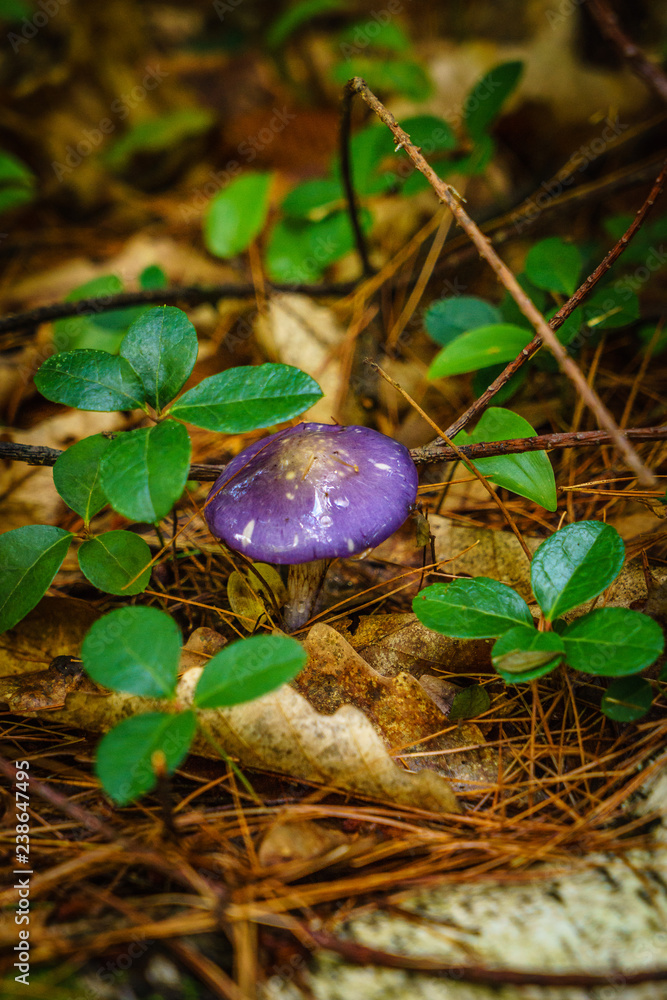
313,491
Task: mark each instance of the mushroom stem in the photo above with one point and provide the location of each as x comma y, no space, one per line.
304,582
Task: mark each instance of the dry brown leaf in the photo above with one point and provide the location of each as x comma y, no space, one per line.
46,690
395,642
54,628
401,710
298,840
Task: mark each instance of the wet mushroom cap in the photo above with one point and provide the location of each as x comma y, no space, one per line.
313,491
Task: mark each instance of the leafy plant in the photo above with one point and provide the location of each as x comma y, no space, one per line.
571,567
17,182
136,650
141,473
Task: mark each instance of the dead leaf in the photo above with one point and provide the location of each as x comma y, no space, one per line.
46,690
401,710
55,627
298,840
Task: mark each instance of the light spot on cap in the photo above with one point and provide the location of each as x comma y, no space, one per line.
290,496
381,465
291,474
350,545
246,535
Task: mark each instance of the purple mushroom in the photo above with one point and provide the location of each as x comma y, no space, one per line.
310,493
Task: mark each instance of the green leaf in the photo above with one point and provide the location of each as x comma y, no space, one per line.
315,199
575,565
90,380
471,609
469,703
246,398
248,669
111,560
554,265
449,318
30,557
523,654
294,16
374,34
530,475
300,251
611,307
153,277
154,135
487,345
144,471
612,642
76,476
430,133
510,310
161,347
627,699
103,330
134,649
370,150
237,214
402,76
124,756
17,182
483,378
486,98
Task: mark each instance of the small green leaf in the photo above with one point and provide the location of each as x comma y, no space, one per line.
402,76
154,135
17,182
246,398
471,609
386,35
575,565
486,98
487,345
30,557
248,669
449,318
613,642
124,756
371,151
469,703
144,471
611,307
299,250
293,17
153,277
134,649
161,347
530,474
90,380
76,476
314,199
102,330
236,215
523,654
627,699
554,265
111,560
430,133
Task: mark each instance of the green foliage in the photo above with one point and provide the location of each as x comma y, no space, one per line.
469,703
141,473
30,558
161,347
76,476
155,135
529,474
295,16
144,471
102,331
447,319
137,650
113,560
124,761
554,265
483,103
17,182
134,650
574,565
245,398
248,669
236,215
300,250
479,348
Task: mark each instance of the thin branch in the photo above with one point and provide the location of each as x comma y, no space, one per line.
480,404
635,57
437,451
191,295
348,182
447,194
